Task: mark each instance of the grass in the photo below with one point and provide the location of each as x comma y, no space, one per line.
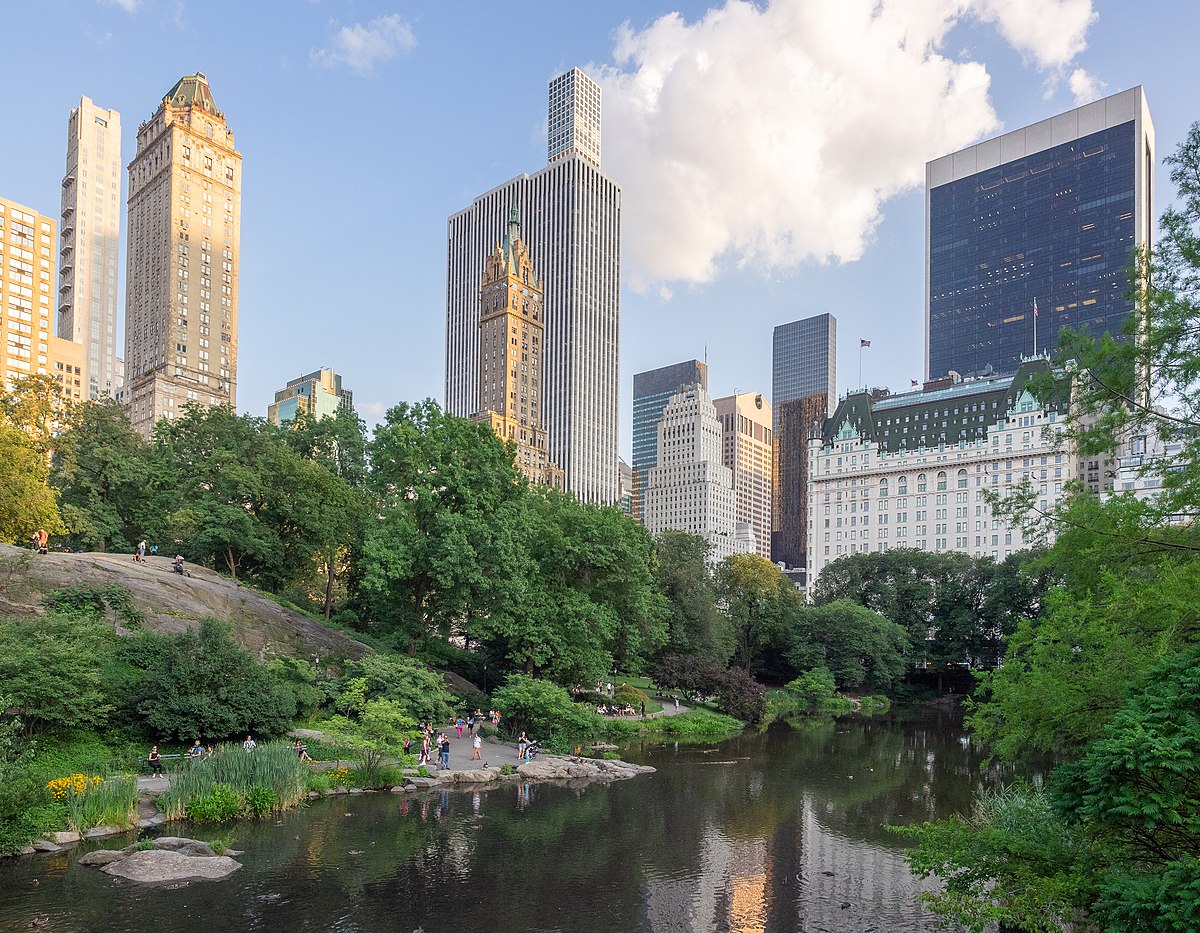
234,783
695,725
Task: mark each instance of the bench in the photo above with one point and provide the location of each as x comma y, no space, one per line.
145,765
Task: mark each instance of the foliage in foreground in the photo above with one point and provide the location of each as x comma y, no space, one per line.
236,783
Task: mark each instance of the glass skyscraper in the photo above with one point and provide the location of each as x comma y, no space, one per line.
651,392
803,388
1051,214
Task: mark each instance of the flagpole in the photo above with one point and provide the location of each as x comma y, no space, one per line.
860,349
1035,327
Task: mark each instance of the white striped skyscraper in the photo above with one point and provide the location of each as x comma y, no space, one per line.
571,220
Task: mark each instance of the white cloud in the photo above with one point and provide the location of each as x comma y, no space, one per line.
129,6
373,412
1085,86
773,134
363,47
1051,31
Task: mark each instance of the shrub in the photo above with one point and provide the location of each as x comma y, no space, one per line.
260,800
812,693
92,599
874,705
507,769
318,781
381,776
414,688
91,801
206,684
220,804
631,695
741,696
543,711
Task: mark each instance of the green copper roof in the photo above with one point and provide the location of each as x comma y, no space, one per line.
510,238
961,412
192,91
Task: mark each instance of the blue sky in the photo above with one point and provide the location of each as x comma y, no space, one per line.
771,154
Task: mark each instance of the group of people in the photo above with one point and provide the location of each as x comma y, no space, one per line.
616,710
40,540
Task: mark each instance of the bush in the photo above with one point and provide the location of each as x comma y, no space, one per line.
260,800
631,695
381,776
91,801
811,694
220,804
544,711
418,691
318,781
507,769
741,696
206,685
699,724
873,705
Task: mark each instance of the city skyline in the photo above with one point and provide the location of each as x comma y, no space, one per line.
877,297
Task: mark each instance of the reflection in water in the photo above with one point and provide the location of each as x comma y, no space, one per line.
772,831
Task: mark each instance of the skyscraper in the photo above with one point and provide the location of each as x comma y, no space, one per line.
574,117
651,392
27,241
319,395
803,384
181,311
512,343
747,449
571,216
689,488
1046,216
89,243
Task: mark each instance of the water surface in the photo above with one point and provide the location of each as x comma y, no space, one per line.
775,831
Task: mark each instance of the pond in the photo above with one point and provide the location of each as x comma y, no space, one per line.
781,830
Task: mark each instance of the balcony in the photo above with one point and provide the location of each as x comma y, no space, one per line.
68,180
68,212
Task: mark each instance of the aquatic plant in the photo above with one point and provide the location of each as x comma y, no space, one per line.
272,766
91,801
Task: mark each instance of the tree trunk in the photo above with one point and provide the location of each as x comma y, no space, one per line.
230,561
329,588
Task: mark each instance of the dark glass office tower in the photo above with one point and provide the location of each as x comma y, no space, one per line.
651,392
803,387
1051,214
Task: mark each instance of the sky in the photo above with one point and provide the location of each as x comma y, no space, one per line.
771,154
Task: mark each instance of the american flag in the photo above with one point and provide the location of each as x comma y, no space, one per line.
863,343
1035,307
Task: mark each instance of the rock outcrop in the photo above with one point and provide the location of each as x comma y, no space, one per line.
157,866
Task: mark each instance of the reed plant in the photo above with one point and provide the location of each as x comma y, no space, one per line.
268,779
91,801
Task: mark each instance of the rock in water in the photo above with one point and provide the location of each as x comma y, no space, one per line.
102,857
156,866
184,845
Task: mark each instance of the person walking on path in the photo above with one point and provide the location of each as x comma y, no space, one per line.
477,743
522,742
643,709
445,742
141,551
424,759
458,725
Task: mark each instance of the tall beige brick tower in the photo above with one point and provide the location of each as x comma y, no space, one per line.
512,342
185,185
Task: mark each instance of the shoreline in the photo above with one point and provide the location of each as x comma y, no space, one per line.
546,769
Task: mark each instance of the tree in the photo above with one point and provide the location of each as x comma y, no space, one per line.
1147,383
435,555
375,736
955,608
413,687
102,472
1136,793
543,710
38,406
858,646
27,502
210,462
52,668
695,625
754,593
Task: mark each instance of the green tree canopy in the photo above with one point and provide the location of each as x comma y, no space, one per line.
858,646
695,624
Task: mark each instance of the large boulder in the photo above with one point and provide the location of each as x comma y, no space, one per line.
103,857
480,776
538,771
184,845
157,866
